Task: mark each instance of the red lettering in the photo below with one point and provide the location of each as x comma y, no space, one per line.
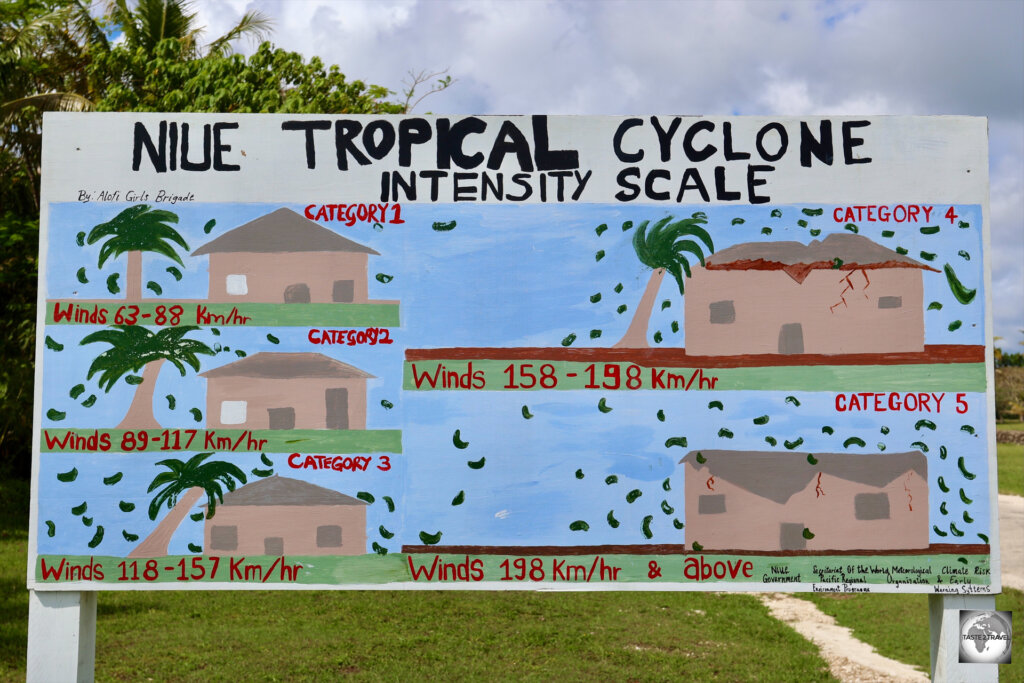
292,461
309,211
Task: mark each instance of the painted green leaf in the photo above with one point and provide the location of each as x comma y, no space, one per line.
645,526
379,549
112,285
983,537
812,212
666,508
763,420
964,255
594,298
55,415
888,233
962,293
154,287
612,522
802,223
633,495
924,424
272,339
666,485
884,429
52,344
621,309
367,496
77,390
815,232
942,484
459,499
715,404
902,251
579,525
80,239
852,228
51,529
626,225
603,406
811,459
215,332
661,415
807,534
618,288
97,537
939,531
657,337
697,546
854,441
611,479
68,476
171,401
457,440
776,213
737,221
599,255
384,278
793,444
389,502
955,530
927,255
967,428
197,414
600,229
771,440
930,230
666,304
943,452
209,225
677,524
385,533
81,276
963,468
477,464
113,478
196,516
262,473
675,326
943,509
955,325
967,518
443,226
128,507
963,224
793,400
675,441
134,380
827,430
700,458
880,446
594,334
388,405
766,230
579,474
964,498
526,413
265,460
195,548
430,539
240,353
569,339
725,433
174,272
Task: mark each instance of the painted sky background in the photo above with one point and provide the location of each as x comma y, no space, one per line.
833,57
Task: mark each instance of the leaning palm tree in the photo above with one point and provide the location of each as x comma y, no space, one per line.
137,229
192,478
133,348
148,22
664,248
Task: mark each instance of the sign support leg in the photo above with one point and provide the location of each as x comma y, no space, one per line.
61,636
944,618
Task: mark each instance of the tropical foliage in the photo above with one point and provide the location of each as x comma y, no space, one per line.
138,228
132,347
212,477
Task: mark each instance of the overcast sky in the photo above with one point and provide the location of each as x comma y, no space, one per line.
717,58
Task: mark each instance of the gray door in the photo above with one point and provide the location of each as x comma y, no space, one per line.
282,418
337,408
344,291
791,338
297,293
791,537
273,545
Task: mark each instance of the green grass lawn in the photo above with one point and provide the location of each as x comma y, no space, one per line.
897,625
1011,468
1012,426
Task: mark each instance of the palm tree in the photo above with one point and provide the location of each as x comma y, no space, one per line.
150,21
664,248
133,348
135,230
192,478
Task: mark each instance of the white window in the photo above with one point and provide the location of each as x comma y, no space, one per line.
232,412
236,284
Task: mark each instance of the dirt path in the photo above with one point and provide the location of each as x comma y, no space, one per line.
849,659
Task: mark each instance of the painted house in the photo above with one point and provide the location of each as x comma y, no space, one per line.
842,294
272,390
280,515
284,257
752,500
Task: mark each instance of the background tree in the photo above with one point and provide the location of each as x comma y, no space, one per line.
132,348
664,249
193,478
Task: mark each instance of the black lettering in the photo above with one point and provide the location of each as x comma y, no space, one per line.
849,142
157,153
510,140
695,155
665,137
433,177
727,144
411,132
187,165
522,180
219,148
450,138
620,132
821,147
465,193
550,159
379,149
753,181
721,193
692,181
649,190
630,190
345,132
309,127
783,141
408,188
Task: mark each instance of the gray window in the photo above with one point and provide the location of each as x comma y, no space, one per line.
328,536
344,291
890,302
791,338
791,536
281,418
722,312
871,506
711,505
273,545
223,538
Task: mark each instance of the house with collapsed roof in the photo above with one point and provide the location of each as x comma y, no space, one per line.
842,294
279,515
271,390
285,257
771,501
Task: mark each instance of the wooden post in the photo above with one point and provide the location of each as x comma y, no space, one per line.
61,636
944,618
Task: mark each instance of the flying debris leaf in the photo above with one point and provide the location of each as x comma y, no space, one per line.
927,255
197,414
80,239
134,380
599,255
196,516
89,402
697,546
807,534
569,339
880,446
379,549
459,499
612,522
854,441
943,452
365,495
794,400
618,288
939,531
942,484
457,440
956,532
389,502
737,221
942,508
766,230
81,276
967,518
811,459
621,309
725,433
174,272
776,213
52,344
930,230
603,406
955,325
112,285
675,441
666,304
962,293
815,232
763,420
594,298
645,527
215,332
600,229
902,251
827,430
209,225
195,548
964,498
666,485
793,444
666,508
272,339
526,412
55,415
384,278
579,474
967,428
240,353
657,337
677,524
113,478
611,479
262,473
171,402
924,424
265,460
579,525
675,325
700,458
476,464
802,223
430,539
633,495
888,233
963,468
128,507
964,255
852,228
626,225
388,405
812,212
442,226
68,476
384,532
716,404
884,429
963,224
661,415
983,537
97,537
771,440
154,287
51,529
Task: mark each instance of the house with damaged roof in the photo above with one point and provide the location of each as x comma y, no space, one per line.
279,515
771,501
842,294
285,257
271,390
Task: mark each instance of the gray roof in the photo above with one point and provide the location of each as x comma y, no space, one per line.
797,259
777,476
281,231
278,490
275,365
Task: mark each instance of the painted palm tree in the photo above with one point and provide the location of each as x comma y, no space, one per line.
137,229
181,486
664,249
134,348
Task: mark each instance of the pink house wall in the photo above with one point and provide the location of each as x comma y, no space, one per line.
305,395
267,275
764,300
296,524
751,522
